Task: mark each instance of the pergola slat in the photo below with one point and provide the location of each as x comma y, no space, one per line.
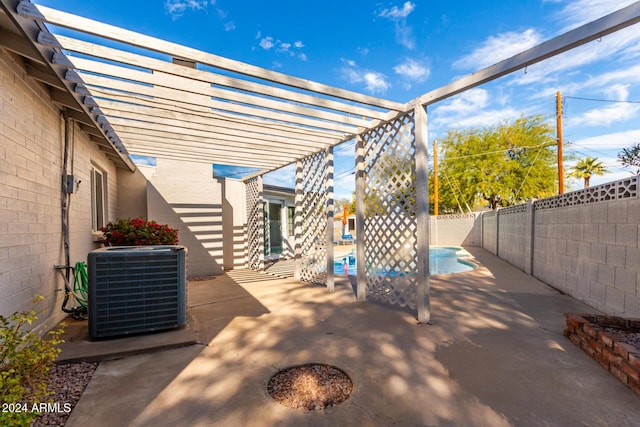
132,38
186,100
112,54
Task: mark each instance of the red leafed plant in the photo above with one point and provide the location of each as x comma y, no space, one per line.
138,232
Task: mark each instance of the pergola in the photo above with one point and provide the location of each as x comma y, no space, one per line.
141,95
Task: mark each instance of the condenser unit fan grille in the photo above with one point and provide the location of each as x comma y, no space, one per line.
136,291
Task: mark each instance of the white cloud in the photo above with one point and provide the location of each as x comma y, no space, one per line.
580,12
177,8
413,71
283,177
375,82
404,32
611,113
469,109
229,26
616,140
497,48
282,47
396,13
267,43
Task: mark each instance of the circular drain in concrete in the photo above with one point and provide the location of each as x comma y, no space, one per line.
313,386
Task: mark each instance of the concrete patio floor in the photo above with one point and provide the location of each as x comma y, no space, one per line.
494,355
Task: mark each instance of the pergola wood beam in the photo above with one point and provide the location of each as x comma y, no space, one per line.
196,87
148,113
120,56
230,144
586,33
129,92
132,38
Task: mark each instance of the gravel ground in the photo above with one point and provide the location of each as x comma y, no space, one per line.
631,338
311,387
68,383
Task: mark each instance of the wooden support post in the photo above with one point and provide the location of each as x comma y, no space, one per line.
361,287
423,303
329,217
297,273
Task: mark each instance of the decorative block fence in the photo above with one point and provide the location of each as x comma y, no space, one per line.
589,333
585,243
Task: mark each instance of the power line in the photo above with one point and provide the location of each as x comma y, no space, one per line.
601,100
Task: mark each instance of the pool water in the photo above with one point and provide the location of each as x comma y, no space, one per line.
442,260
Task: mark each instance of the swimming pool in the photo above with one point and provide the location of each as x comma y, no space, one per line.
442,260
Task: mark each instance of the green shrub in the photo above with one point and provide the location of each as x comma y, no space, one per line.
138,232
26,360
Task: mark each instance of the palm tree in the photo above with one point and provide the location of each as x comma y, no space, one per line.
586,168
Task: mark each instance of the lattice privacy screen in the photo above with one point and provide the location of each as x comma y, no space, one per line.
313,201
390,223
255,223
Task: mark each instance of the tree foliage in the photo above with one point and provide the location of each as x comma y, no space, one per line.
630,157
496,166
585,168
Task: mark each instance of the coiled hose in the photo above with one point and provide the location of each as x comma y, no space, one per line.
80,283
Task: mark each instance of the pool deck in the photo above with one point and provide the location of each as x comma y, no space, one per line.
493,355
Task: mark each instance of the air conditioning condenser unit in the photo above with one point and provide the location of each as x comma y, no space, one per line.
136,289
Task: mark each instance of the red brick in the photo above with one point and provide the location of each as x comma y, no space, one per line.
633,385
618,374
575,339
597,345
607,339
592,330
582,334
599,357
623,349
588,349
611,357
631,373
634,360
575,320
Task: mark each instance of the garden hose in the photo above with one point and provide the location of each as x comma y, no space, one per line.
80,283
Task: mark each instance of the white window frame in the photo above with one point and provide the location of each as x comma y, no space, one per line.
98,198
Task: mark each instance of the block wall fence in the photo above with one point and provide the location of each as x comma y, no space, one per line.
584,243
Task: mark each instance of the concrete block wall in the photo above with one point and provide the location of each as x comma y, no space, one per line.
185,196
514,235
585,243
490,231
31,153
591,252
455,230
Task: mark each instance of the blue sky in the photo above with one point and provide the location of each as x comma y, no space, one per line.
400,50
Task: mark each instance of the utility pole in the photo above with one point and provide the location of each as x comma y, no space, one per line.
559,133
435,177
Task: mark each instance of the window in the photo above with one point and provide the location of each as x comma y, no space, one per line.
98,198
291,219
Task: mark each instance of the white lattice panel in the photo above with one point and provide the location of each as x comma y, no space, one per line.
314,219
623,189
390,224
255,224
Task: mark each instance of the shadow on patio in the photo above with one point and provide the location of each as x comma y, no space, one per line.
494,355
